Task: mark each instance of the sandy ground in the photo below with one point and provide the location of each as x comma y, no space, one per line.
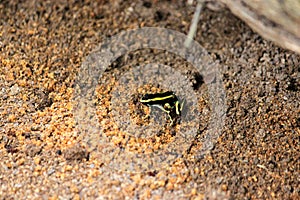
44,156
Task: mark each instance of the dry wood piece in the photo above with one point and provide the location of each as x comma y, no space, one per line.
275,20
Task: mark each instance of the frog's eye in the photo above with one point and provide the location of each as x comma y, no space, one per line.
167,106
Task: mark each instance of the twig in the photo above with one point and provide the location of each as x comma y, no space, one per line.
195,21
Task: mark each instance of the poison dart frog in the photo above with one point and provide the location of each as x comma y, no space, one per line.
166,101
